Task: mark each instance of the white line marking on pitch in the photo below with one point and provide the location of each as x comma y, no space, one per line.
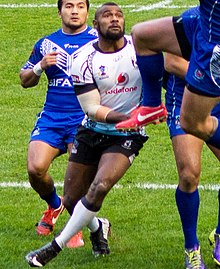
132,8
142,186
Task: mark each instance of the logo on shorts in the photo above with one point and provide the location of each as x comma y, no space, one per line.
74,148
199,74
177,122
127,144
131,158
36,132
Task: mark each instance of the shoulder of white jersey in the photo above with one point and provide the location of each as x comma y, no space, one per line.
85,50
80,67
129,39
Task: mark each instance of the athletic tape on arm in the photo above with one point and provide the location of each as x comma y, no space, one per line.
90,103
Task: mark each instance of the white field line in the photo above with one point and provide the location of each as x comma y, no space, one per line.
142,186
132,8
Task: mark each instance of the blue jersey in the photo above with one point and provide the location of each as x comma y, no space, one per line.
175,86
203,73
60,95
57,123
190,20
173,98
210,20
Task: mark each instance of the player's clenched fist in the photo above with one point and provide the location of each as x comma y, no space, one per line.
49,60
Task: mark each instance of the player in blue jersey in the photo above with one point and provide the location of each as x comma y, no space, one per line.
187,148
57,123
108,85
202,92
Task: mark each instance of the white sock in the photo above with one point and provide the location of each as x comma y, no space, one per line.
80,218
93,225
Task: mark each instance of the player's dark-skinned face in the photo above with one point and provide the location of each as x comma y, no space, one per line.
110,24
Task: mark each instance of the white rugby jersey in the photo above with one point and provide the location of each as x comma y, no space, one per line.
115,75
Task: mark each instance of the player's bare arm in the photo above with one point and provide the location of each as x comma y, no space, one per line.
90,103
31,77
176,65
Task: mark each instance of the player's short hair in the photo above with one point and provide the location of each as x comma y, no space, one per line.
105,4
60,2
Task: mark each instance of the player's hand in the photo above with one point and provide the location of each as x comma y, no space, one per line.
49,59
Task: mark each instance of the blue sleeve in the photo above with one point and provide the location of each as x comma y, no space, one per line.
35,56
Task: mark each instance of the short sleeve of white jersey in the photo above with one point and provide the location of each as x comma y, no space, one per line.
81,71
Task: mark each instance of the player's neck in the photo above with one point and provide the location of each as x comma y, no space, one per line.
111,45
73,31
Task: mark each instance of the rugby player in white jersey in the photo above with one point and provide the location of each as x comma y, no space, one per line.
108,86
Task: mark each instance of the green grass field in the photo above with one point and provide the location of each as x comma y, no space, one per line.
146,231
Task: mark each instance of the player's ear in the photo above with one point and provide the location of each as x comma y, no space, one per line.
95,24
59,14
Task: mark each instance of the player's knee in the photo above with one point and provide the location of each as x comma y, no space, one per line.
185,124
102,189
191,122
134,32
138,37
188,124
197,129
189,178
99,189
36,170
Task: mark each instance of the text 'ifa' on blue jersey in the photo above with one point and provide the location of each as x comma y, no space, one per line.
60,94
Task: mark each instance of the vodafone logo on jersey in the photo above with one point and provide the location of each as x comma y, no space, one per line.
122,79
122,90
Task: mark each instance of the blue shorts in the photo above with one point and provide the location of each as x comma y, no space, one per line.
174,94
173,122
203,75
173,119
57,129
